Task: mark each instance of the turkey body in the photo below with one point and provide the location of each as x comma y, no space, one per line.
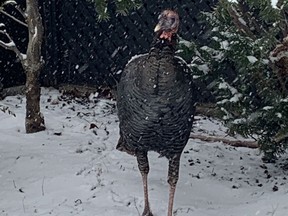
155,103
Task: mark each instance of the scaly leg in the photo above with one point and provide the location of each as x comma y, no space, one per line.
143,166
173,175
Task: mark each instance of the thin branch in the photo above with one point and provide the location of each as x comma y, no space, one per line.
43,186
10,45
21,12
23,204
235,143
14,184
14,18
136,206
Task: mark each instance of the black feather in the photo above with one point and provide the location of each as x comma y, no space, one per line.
156,102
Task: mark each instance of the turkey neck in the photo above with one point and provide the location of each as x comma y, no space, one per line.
160,76
162,47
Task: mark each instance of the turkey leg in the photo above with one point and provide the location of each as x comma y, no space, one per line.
173,174
143,166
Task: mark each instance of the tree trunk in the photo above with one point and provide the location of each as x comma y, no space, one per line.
34,119
33,65
32,62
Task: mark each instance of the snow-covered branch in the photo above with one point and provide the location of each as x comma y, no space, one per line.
9,2
10,45
14,18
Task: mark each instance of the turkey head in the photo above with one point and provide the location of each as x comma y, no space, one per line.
168,23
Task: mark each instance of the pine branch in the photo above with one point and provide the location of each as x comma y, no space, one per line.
11,45
14,18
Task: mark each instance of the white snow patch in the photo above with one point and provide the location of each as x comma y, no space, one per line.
267,107
242,21
273,3
225,85
204,68
224,45
279,115
265,61
285,100
236,96
252,59
24,56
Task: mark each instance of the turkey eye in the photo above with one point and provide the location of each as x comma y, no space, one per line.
173,19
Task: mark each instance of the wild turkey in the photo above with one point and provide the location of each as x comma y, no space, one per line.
155,100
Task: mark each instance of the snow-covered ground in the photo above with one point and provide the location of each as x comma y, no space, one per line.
72,168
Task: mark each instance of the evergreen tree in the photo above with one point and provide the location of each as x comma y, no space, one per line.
245,65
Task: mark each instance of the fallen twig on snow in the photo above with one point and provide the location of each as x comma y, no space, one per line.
235,143
43,186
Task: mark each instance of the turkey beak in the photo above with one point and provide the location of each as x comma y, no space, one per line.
157,27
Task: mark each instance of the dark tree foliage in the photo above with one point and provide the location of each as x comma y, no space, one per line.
245,66
122,7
